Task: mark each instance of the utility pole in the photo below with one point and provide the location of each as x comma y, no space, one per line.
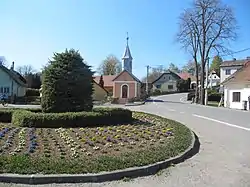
147,79
207,70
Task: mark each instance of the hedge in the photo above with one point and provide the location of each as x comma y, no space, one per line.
99,116
6,113
212,96
32,92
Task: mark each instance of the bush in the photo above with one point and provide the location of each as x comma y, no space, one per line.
102,116
114,100
6,114
67,84
32,92
183,85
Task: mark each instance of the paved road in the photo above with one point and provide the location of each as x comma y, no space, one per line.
224,157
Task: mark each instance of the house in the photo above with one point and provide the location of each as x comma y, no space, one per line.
227,68
99,93
124,85
108,82
186,75
11,82
213,79
166,82
237,88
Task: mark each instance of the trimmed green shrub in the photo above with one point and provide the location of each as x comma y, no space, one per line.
6,113
5,116
102,116
67,84
114,100
32,92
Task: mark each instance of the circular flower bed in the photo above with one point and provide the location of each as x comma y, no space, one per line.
148,139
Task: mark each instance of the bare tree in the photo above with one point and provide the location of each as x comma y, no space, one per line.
154,74
205,28
25,70
110,66
3,61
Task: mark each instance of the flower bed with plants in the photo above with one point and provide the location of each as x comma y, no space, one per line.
146,140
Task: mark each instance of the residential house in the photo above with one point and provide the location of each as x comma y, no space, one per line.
99,93
213,80
186,75
237,88
166,82
11,82
227,68
108,82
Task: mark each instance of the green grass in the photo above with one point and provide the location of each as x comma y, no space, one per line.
213,103
97,161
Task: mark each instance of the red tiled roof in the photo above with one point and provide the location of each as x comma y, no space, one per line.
108,80
242,75
185,76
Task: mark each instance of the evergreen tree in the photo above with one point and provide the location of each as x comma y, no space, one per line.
215,65
101,81
67,84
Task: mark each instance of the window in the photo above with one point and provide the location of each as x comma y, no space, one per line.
158,86
125,91
236,96
170,87
6,90
228,71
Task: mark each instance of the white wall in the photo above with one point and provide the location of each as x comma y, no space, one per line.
223,75
244,89
6,82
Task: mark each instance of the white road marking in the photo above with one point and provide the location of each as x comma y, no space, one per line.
182,99
182,112
222,122
172,110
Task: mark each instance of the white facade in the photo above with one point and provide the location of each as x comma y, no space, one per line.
225,72
8,85
240,89
213,80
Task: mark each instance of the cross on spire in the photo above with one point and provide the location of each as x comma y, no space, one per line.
127,38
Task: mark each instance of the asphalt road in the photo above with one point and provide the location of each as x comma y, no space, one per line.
224,157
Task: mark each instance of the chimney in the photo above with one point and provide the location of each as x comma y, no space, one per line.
12,66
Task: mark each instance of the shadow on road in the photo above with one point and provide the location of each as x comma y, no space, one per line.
164,101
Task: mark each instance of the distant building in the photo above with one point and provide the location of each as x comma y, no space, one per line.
11,82
166,82
237,88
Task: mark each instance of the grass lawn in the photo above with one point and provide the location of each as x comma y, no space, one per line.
213,103
147,140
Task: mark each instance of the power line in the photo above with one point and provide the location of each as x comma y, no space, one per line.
235,52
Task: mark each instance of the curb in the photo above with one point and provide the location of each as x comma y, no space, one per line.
104,176
135,104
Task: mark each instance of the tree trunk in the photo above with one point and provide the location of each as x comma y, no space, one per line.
202,90
197,83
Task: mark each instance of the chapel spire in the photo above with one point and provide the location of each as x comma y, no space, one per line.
127,58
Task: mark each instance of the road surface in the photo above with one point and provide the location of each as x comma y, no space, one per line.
224,157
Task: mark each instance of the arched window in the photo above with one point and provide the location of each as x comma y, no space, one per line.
125,91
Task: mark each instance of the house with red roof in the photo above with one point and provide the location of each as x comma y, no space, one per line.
237,88
124,85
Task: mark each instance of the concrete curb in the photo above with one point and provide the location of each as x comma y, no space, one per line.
104,176
135,104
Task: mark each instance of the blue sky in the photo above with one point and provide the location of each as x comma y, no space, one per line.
32,30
